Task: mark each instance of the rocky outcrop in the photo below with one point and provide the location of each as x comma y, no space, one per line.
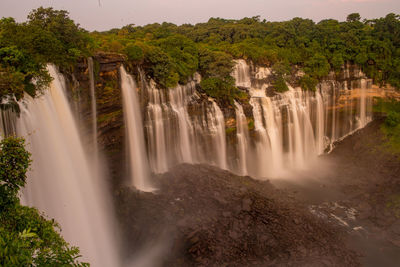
215,218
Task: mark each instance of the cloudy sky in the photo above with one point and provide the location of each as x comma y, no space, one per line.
107,14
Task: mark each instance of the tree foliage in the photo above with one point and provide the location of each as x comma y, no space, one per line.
317,48
48,36
171,54
26,237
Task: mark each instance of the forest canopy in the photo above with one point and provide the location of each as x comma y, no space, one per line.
48,36
171,54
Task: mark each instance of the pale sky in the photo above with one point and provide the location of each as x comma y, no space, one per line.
107,14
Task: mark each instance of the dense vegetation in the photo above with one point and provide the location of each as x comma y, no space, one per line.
170,54
48,36
26,237
391,127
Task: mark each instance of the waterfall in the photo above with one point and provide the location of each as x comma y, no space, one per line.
217,129
174,136
242,135
319,130
262,143
293,127
290,129
94,111
137,157
61,182
241,73
363,99
155,130
178,101
273,124
281,144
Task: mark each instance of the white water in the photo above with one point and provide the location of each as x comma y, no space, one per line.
178,101
319,129
281,145
241,74
137,157
242,134
363,106
292,128
94,111
155,131
174,136
62,183
217,129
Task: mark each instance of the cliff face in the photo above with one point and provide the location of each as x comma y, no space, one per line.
110,124
182,125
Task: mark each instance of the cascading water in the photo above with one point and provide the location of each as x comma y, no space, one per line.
94,111
293,127
363,99
138,164
174,136
242,134
178,101
290,128
62,183
281,144
319,127
155,130
217,129
241,74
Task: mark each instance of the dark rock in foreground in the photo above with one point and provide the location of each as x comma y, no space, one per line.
214,218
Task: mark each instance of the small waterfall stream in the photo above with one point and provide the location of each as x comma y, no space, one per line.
94,111
242,134
217,129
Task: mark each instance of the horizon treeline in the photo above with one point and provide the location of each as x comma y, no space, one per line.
171,54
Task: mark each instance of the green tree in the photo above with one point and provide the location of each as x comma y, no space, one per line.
214,63
26,237
222,89
353,17
160,66
134,52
